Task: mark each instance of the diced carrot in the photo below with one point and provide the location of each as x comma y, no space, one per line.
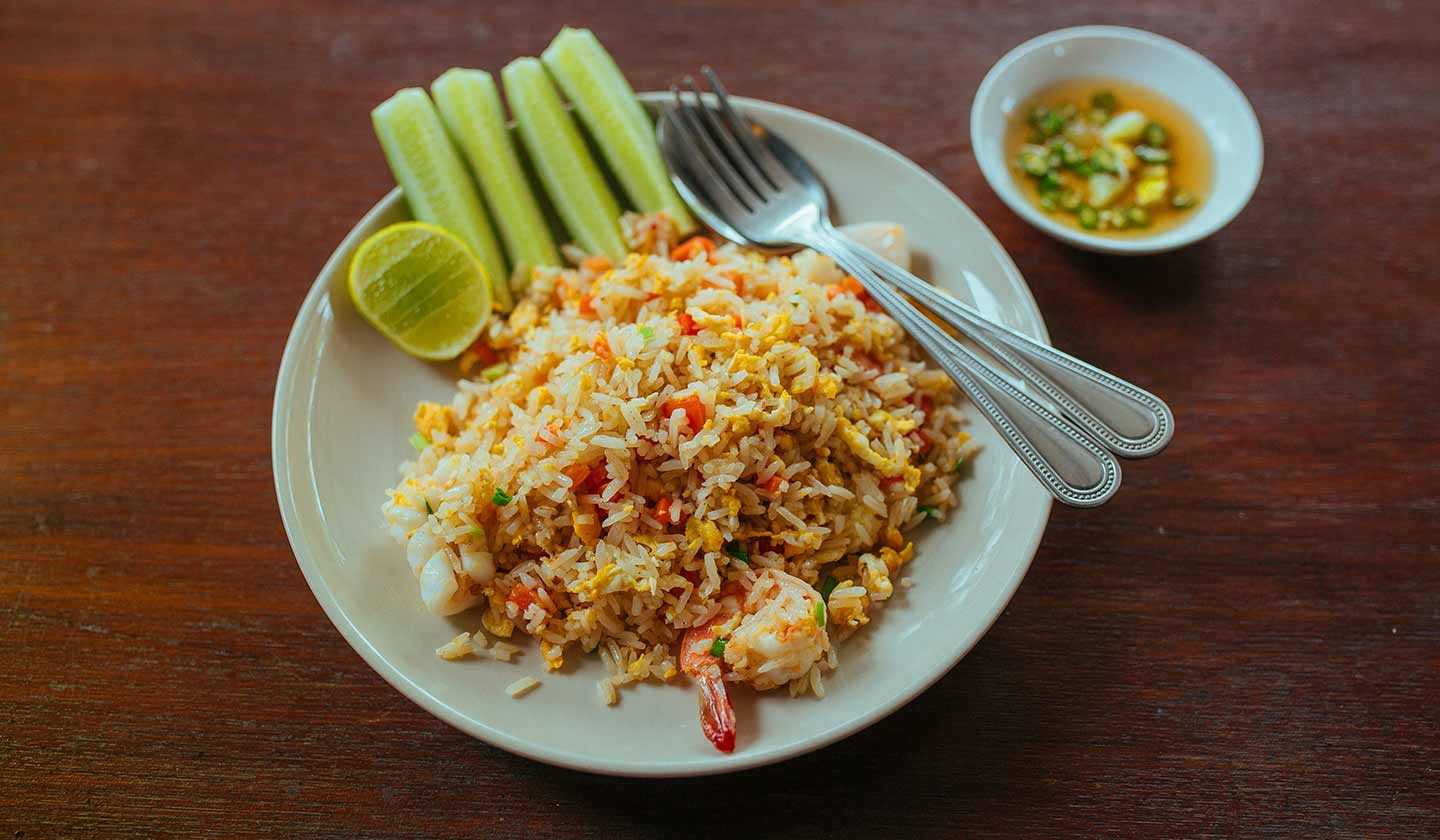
739,322
871,303
851,285
602,346
596,263
521,596
891,481
587,306
737,278
692,246
772,484
693,407
687,324
832,291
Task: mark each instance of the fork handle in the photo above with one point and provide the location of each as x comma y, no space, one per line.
1072,466
1130,421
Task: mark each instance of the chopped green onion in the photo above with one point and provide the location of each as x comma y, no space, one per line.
477,531
1033,162
1089,217
1104,100
419,441
1049,183
1084,169
495,371
1069,155
1139,216
717,647
820,614
734,550
646,333
959,462
501,498
1071,200
827,586
930,511
1099,116
428,509
1156,135
1151,154
1047,203
1051,124
1182,200
1103,160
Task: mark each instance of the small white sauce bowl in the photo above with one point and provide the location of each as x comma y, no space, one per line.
1115,52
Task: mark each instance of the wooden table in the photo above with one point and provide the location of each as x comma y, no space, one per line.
1245,643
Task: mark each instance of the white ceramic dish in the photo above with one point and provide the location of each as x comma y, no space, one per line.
1165,66
343,403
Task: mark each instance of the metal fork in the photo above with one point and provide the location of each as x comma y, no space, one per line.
750,186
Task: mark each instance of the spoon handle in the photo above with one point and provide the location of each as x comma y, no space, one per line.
1073,467
1130,421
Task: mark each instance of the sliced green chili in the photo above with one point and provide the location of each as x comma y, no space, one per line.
501,498
1089,217
820,614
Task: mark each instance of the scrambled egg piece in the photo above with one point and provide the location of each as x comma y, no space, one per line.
495,619
554,655
431,418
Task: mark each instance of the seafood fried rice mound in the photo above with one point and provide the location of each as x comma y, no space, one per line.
646,449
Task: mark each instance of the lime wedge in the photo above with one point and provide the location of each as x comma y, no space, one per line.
437,187
422,287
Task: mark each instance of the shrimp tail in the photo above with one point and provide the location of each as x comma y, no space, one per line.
717,718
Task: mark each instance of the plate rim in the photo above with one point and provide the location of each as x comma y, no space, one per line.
285,386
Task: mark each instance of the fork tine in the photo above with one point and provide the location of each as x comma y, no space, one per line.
730,145
720,166
775,171
711,182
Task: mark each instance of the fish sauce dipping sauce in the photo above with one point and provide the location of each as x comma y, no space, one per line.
1109,157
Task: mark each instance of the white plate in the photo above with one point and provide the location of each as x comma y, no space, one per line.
343,404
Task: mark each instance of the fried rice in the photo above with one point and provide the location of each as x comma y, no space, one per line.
633,438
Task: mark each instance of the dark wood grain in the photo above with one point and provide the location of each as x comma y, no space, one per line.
1245,643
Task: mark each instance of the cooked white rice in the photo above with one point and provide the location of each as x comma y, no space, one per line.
826,436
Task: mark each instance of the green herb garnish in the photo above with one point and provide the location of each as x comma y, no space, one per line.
827,586
717,647
501,498
959,462
820,614
734,550
930,511
419,441
428,509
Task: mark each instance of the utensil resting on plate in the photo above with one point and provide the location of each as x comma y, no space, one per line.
752,187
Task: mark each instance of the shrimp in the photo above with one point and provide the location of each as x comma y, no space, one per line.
774,634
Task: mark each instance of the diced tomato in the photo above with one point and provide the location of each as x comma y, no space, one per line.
693,407
692,246
484,353
602,346
926,404
668,512
521,596
587,306
866,360
577,473
687,324
925,441
772,484
891,481
871,304
552,427
596,263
